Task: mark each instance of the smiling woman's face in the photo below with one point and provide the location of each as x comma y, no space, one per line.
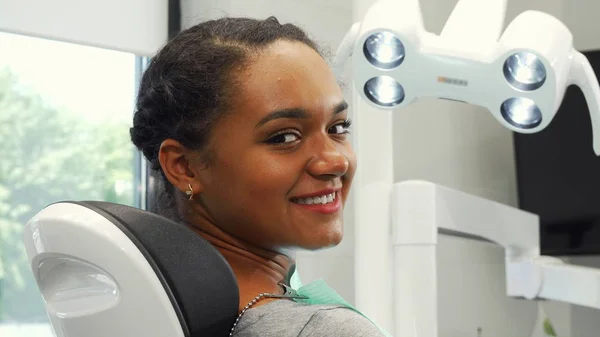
282,165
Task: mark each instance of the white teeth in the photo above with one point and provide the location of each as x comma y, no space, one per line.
324,199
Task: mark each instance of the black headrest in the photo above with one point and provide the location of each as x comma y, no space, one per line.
196,277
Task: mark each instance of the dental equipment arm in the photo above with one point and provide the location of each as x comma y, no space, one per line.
567,283
528,274
583,76
421,210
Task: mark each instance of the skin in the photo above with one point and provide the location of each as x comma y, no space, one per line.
244,196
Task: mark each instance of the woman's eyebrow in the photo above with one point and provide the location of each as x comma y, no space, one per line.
284,113
297,113
340,107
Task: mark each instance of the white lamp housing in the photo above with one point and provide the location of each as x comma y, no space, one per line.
520,77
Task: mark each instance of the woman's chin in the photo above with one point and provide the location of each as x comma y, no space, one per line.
320,241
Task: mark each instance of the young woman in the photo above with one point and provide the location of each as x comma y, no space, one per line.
248,126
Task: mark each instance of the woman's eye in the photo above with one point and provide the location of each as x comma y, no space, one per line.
284,138
341,128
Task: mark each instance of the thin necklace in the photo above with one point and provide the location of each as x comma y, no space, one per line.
288,293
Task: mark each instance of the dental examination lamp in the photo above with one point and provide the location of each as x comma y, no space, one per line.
520,76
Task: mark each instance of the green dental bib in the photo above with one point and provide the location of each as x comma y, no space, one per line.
318,292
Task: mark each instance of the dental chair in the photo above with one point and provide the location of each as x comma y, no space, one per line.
105,269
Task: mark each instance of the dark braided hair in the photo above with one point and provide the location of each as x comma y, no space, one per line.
187,85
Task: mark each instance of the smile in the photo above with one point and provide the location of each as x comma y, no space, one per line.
322,200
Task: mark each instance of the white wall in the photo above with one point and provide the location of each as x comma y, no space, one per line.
325,21
581,16
135,26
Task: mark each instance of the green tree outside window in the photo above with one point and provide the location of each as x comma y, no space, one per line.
49,154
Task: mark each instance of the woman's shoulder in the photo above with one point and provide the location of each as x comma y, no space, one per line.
285,318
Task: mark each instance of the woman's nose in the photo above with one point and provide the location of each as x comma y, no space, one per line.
328,161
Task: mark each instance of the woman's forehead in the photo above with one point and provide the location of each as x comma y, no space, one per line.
288,74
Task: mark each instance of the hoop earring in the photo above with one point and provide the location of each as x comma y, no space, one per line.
190,191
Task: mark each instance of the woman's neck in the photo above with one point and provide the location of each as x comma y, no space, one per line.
256,269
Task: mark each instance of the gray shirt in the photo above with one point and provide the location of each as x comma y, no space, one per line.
285,318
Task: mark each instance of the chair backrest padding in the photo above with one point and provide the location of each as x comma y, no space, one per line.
199,280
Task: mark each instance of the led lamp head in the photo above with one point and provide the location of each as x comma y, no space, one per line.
520,75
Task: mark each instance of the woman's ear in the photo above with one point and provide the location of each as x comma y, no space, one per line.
177,166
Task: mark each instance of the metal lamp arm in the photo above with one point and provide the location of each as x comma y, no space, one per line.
582,75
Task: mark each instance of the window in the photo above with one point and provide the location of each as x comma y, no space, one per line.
65,112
